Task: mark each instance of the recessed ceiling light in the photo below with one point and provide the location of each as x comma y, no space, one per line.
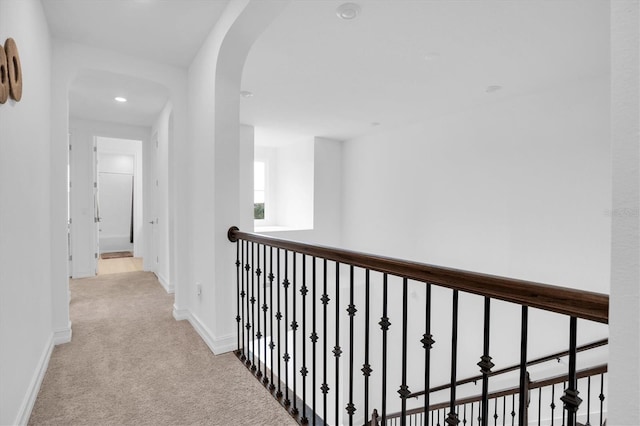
120,99
491,89
348,11
246,94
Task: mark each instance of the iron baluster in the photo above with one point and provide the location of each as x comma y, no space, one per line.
522,397
485,364
253,311
259,333
352,312
238,319
294,328
452,418
279,326
247,268
553,402
464,413
404,389
243,295
265,308
601,397
271,343
325,302
539,405
366,368
337,351
570,398
314,339
304,371
427,343
384,325
588,402
513,410
286,357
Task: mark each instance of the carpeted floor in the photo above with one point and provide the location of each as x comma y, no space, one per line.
131,363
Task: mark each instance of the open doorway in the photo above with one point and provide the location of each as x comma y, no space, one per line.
118,205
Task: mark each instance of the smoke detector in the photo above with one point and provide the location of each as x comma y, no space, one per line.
348,11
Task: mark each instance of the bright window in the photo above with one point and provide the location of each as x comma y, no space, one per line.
259,186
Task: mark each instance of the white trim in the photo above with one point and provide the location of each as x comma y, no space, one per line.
165,283
62,335
34,387
216,345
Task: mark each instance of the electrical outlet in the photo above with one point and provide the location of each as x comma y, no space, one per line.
198,289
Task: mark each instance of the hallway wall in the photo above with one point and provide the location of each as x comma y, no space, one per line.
212,198
26,330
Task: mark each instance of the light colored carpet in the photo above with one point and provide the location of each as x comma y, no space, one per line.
131,363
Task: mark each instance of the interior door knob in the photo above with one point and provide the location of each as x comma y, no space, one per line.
152,222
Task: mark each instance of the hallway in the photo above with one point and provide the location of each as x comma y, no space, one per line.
130,362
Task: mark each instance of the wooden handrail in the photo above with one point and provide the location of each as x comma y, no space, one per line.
593,371
516,367
577,303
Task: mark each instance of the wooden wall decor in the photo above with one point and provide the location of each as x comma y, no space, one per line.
14,68
4,77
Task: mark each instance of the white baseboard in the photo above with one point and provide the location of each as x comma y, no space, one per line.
34,386
62,335
165,283
85,273
217,345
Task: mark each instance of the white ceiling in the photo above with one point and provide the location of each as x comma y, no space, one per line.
313,74
92,94
165,31
403,60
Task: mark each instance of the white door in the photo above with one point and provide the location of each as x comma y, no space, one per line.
96,206
153,217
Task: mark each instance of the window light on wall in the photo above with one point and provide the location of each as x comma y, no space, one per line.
259,178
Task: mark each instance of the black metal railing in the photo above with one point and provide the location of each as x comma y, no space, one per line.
416,304
501,408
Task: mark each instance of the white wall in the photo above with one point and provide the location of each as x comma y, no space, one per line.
325,185
83,231
289,191
26,329
213,150
247,134
510,189
295,185
625,242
